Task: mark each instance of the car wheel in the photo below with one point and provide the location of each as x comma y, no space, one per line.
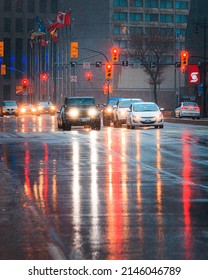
115,124
198,118
180,116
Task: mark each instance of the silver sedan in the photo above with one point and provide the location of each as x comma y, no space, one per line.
144,114
187,109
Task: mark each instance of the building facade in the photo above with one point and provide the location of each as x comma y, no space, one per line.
99,25
17,20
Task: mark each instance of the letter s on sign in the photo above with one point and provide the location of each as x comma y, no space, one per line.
194,77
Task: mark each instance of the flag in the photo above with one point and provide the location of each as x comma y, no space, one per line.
54,35
62,19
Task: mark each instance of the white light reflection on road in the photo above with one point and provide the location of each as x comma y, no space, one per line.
95,230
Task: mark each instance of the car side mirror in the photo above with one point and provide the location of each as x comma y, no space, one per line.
162,109
128,110
114,107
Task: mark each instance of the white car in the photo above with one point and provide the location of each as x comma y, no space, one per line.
187,109
120,110
144,114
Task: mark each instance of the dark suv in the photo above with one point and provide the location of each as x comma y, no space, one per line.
80,111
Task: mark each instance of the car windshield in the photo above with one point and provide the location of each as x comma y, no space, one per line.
112,102
192,104
9,103
128,102
80,101
145,107
45,104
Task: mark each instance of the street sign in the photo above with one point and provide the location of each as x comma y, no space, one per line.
193,74
74,79
86,65
19,89
1,48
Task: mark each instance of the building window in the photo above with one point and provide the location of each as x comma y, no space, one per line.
18,57
120,16
121,30
151,4
7,24
136,3
19,6
30,6
122,44
167,59
167,31
136,30
166,4
30,25
181,5
7,5
54,6
43,6
151,17
19,25
181,18
136,17
166,18
180,32
122,3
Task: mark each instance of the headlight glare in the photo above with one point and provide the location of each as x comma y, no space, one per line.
73,112
92,112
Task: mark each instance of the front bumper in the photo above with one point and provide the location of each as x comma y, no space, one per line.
153,121
82,121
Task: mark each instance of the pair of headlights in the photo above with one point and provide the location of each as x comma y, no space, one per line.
75,112
158,117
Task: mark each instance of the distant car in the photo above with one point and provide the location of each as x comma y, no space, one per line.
120,109
8,108
144,114
108,110
60,117
81,111
46,107
27,109
187,109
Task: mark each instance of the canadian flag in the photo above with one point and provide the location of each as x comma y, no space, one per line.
62,19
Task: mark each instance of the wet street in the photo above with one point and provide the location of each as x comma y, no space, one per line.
108,194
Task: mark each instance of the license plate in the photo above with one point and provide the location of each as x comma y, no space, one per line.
147,120
84,119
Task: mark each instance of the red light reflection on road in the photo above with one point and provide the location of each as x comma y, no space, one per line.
186,174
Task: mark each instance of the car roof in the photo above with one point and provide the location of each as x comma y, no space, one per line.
76,97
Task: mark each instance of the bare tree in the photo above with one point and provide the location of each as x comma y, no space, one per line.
150,50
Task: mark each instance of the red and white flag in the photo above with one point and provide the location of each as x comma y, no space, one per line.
193,74
62,19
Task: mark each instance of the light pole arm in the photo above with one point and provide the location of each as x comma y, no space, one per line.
96,52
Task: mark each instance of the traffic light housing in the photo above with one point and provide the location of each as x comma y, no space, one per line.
184,58
115,52
88,76
44,77
3,69
25,83
108,70
105,89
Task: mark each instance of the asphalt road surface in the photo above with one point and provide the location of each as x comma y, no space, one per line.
109,194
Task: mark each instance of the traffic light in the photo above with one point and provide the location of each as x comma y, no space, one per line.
115,54
88,76
105,89
184,58
44,77
108,70
74,50
25,83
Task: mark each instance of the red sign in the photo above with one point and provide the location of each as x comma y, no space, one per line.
193,74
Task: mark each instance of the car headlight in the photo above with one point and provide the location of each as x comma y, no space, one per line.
52,108
92,112
22,110
159,117
73,113
136,118
33,110
109,110
40,108
122,113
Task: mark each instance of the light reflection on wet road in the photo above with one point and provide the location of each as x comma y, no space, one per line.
110,194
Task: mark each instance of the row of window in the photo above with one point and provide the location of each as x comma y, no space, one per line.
19,6
163,4
123,30
122,16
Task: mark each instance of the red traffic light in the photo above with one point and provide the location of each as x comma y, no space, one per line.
25,83
44,77
88,76
108,70
115,52
184,58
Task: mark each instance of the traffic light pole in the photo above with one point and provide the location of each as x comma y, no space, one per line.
204,109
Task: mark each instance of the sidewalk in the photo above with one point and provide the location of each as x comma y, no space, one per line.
202,121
